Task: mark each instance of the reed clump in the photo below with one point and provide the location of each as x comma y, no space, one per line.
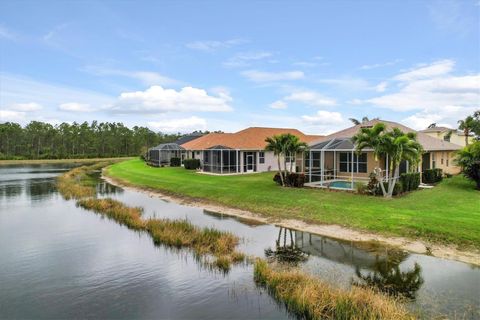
311,298
203,241
115,210
75,184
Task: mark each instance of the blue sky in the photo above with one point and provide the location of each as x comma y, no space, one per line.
220,65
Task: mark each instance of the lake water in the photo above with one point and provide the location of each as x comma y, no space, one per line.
61,261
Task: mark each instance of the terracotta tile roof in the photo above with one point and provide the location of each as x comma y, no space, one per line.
248,139
429,143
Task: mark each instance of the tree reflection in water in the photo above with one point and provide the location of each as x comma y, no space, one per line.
387,277
286,252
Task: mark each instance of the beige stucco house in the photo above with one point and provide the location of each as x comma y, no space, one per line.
449,135
333,162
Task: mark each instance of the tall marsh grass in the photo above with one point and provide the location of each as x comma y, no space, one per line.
311,298
74,184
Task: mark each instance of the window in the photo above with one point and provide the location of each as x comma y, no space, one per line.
446,138
205,156
261,157
433,161
346,164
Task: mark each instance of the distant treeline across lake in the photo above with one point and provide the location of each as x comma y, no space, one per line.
40,140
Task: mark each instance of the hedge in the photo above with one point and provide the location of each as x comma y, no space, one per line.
191,164
293,179
175,162
432,175
410,181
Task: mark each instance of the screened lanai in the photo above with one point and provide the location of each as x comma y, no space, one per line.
335,164
163,153
222,160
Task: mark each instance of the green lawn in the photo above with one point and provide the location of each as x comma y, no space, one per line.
448,213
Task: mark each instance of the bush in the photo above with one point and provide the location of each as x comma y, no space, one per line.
362,188
410,181
191,164
296,180
432,175
372,184
175,162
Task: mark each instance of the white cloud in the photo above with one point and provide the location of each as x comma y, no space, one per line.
348,83
157,99
13,116
279,105
305,64
433,93
244,59
76,107
262,76
325,122
445,116
380,65
434,69
213,45
311,98
179,125
30,106
323,117
146,77
381,87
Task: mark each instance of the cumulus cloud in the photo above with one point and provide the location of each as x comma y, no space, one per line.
9,115
325,122
311,98
179,125
262,76
76,107
159,100
434,92
323,117
31,106
213,45
279,105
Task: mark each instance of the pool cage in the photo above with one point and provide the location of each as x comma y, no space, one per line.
222,160
335,164
163,153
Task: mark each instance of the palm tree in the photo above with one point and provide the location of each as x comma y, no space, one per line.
294,146
466,125
277,145
395,144
364,119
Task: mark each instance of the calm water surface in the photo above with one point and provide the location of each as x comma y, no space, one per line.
60,261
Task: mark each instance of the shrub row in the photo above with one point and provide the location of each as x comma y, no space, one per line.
293,179
191,164
175,162
432,175
410,181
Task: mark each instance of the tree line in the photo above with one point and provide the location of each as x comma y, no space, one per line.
40,140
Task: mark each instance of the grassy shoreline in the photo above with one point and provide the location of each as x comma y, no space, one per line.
447,214
211,247
59,161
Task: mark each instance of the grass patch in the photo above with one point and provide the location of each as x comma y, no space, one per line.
310,298
180,234
76,183
446,214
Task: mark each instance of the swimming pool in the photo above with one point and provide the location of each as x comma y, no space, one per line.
341,185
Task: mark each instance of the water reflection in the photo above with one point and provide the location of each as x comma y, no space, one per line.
389,278
286,252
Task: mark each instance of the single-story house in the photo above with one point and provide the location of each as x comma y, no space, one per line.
162,154
332,160
239,152
449,135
